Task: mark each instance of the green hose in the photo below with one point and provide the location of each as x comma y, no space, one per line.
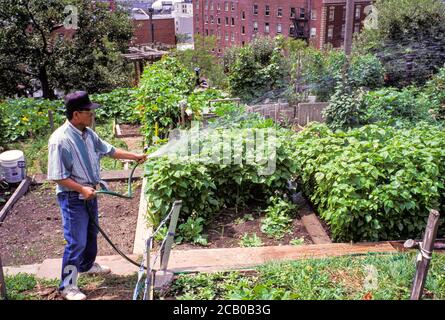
116,194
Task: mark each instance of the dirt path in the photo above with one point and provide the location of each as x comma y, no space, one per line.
32,231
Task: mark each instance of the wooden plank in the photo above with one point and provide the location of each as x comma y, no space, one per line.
114,175
236,258
20,191
315,229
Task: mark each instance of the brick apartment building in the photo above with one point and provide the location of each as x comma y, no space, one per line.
237,22
163,29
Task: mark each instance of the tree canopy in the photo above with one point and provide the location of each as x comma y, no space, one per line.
409,39
63,44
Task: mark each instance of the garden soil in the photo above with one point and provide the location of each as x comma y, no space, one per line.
32,230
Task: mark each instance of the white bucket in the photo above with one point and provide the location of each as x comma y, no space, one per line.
13,166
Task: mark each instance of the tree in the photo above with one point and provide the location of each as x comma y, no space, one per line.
202,57
409,39
64,44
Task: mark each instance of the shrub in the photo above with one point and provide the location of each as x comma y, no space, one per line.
346,109
391,104
258,67
374,182
434,95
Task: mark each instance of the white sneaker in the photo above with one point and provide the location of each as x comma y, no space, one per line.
73,293
97,269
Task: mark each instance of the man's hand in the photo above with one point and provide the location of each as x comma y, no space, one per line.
140,158
88,193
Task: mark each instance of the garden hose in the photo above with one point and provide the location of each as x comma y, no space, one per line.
129,195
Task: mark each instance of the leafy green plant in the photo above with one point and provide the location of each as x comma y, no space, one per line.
23,118
297,241
390,105
191,231
345,109
118,104
164,85
257,68
374,182
17,285
278,218
250,240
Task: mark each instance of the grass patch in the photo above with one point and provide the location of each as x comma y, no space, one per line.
372,276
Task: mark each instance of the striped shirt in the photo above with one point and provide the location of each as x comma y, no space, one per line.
75,154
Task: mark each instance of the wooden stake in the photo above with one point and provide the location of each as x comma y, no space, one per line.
2,282
424,256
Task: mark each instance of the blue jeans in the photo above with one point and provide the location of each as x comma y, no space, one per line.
80,234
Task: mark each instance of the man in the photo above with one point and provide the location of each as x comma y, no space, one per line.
74,153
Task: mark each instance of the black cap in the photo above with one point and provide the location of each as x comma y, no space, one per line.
79,100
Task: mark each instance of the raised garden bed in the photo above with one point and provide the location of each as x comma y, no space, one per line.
231,225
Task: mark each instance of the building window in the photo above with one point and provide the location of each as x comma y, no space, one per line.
313,32
330,32
344,13
279,28
232,6
302,13
206,6
243,30
206,19
211,4
266,27
331,13
314,15
227,21
255,9
255,26
243,43
291,29
226,36
218,7
218,34
358,11
207,32
197,18
267,11
197,4
342,31
292,12
232,36
226,6
219,20
356,27
211,20
233,21
243,16
211,32
280,12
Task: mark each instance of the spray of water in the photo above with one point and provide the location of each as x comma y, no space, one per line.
178,142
